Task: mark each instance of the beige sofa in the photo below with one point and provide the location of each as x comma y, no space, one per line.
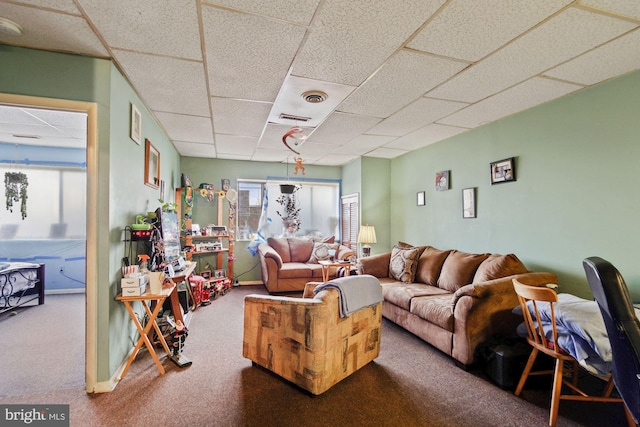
288,263
453,300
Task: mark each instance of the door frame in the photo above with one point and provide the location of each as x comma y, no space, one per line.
91,274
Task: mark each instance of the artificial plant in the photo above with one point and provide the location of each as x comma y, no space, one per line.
15,189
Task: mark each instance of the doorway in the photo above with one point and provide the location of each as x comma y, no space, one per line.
90,272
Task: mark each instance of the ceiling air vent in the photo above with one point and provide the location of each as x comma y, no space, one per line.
293,117
314,96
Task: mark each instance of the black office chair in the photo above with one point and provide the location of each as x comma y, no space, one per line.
623,328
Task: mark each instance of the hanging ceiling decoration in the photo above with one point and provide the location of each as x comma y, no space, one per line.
298,136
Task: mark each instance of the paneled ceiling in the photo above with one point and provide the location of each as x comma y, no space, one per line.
399,75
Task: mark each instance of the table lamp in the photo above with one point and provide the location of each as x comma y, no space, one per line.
366,235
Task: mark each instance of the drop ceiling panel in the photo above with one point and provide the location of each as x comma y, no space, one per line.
533,53
62,5
149,26
340,128
630,8
425,136
236,145
615,58
520,97
248,57
386,153
270,155
51,31
191,149
415,115
364,144
460,30
299,11
186,128
406,76
366,33
239,117
272,138
14,115
336,159
167,84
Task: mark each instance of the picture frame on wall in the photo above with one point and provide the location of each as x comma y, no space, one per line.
420,200
442,180
151,165
219,274
469,202
503,171
136,125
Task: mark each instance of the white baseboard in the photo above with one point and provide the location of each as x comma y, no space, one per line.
109,386
64,291
251,282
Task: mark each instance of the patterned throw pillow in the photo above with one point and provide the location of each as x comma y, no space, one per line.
403,263
321,251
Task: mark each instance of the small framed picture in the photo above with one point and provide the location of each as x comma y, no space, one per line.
136,125
206,274
442,180
503,171
219,274
469,202
420,198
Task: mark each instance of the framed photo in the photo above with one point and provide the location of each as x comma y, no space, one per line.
151,165
442,180
136,125
219,274
469,202
503,171
206,274
420,198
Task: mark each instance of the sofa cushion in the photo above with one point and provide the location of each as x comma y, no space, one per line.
295,270
437,309
400,294
499,266
403,263
429,265
458,269
300,249
320,251
281,245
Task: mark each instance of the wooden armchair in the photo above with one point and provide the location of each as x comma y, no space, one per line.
305,341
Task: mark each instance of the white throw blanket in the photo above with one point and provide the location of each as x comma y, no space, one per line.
355,292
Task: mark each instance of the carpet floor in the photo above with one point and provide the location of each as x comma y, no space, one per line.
409,384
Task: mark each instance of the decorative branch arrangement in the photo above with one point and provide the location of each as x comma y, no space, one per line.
291,213
15,188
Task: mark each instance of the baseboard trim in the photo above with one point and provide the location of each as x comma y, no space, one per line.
64,291
109,386
252,282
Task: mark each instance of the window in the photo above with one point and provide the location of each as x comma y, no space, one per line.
350,221
318,202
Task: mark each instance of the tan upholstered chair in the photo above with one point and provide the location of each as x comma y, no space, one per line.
305,341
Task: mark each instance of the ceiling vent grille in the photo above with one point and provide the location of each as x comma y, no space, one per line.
314,96
293,117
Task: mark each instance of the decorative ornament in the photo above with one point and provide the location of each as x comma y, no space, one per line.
221,194
15,188
295,133
299,166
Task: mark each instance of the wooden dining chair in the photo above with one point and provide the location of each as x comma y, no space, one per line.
537,296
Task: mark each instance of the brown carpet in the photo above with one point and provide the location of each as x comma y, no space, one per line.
410,384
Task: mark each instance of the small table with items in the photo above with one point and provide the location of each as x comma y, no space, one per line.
327,265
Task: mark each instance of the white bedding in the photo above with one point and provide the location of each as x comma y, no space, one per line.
17,276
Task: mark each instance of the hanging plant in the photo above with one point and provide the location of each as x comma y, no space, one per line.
15,189
291,213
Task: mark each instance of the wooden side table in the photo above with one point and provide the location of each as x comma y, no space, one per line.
167,290
327,265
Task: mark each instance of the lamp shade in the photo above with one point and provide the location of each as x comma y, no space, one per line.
367,234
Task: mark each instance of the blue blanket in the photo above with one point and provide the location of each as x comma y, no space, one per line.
354,292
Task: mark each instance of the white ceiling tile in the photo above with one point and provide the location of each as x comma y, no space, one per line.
615,58
415,115
51,31
520,97
364,144
460,30
386,153
149,26
233,144
187,128
233,157
66,119
239,117
299,11
272,138
579,31
341,127
402,79
61,5
336,159
366,33
425,136
15,115
270,155
192,149
315,149
167,84
247,56
630,8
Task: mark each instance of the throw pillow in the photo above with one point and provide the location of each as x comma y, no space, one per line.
429,265
458,270
499,266
300,249
281,245
321,251
403,263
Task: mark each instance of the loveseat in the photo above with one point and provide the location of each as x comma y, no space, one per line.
451,299
288,263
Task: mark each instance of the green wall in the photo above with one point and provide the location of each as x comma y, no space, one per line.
576,193
212,171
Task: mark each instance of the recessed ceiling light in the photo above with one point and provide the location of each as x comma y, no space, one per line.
9,27
314,96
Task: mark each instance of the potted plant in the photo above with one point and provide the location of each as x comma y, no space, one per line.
15,187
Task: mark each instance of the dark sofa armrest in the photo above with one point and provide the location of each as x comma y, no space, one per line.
376,265
266,251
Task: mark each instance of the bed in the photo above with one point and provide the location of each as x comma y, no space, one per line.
21,283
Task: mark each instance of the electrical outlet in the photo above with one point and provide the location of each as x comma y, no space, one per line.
62,269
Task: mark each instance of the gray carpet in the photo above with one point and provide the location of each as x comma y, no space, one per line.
410,384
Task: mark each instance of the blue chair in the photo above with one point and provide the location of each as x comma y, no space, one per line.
623,328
